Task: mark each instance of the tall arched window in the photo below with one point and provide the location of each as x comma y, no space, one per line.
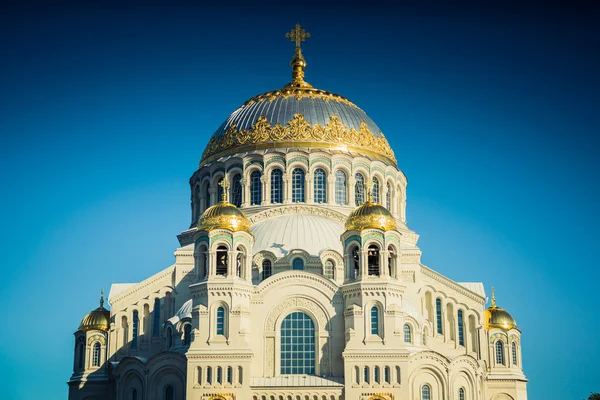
328,269
373,260
461,394
499,353
276,186
255,188
367,375
221,260
425,392
374,320
376,188
156,318
209,375
355,262
297,344
386,375
298,185
187,335
136,324
388,197
240,261
80,355
230,375
407,334
219,375
357,375
298,264
359,189
514,353
96,355
169,393
320,186
220,321
341,190
376,373
207,195
266,269
240,375
438,315
134,394
461,329
424,340
391,262
169,338
236,190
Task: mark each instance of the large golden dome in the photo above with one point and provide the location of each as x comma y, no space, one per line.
299,115
496,317
96,319
224,215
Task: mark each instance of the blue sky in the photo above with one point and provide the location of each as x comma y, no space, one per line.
492,110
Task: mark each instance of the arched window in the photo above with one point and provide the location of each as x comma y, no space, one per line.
386,375
388,197
357,375
298,264
367,375
341,190
374,320
425,392
96,355
391,262
398,375
236,190
209,375
373,260
134,394
169,393
407,334
240,375
297,344
298,185
221,260
207,195
461,394
136,325
276,186
514,353
320,186
169,338
424,341
266,269
376,378
230,375
255,188
461,329
355,262
438,315
219,375
499,353
220,321
376,193
80,355
328,269
359,189
187,334
156,318
239,262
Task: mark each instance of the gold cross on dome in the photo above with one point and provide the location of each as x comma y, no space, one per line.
225,185
297,35
369,187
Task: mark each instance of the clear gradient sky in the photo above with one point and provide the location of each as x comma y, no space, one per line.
492,110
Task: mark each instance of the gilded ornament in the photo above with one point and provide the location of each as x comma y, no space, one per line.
224,215
496,317
97,319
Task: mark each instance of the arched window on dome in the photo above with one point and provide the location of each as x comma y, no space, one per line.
169,393
236,190
320,186
196,203
266,269
156,318
359,189
514,353
207,201
134,333
376,191
80,354
298,264
341,188
255,188
187,334
220,321
438,316
499,353
96,355
298,185
276,186
388,197
221,261
407,334
298,344
373,260
374,320
425,392
461,328
461,394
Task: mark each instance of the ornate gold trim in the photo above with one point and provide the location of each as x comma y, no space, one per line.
333,135
299,93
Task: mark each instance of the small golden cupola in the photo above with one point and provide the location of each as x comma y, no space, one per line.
496,317
370,215
224,215
98,319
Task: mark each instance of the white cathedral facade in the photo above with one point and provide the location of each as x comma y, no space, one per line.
298,279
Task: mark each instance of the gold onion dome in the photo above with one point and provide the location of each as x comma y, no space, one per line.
224,215
98,319
299,115
370,215
496,317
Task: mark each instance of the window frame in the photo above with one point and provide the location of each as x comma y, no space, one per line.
320,186
298,182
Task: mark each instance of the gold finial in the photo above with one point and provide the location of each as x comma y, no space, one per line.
298,63
369,187
493,298
101,298
225,185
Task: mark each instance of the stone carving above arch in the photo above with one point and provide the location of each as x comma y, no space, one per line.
298,278
298,209
292,303
502,396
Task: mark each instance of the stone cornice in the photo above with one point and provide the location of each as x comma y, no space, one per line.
451,284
